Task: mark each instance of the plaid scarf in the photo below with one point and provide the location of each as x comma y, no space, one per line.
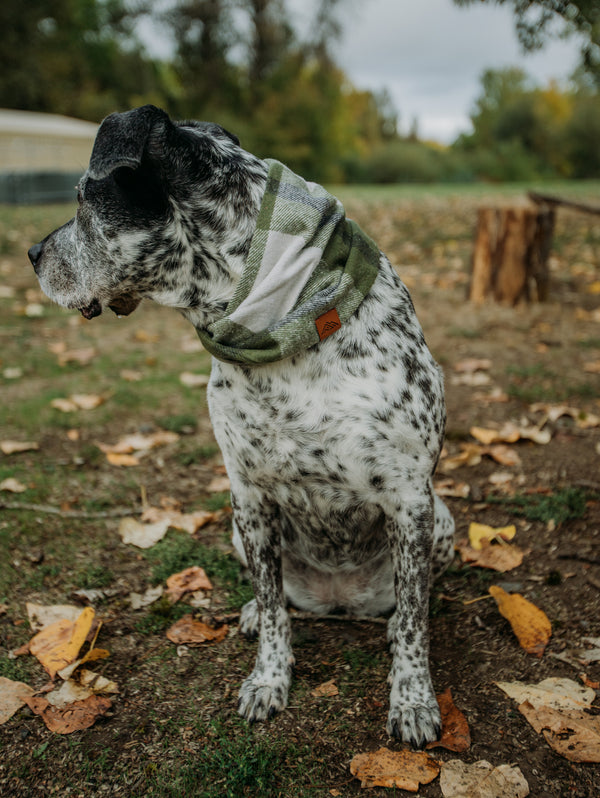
308,269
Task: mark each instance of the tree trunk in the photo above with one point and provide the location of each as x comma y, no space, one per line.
510,258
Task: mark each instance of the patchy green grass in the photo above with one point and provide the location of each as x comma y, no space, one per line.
563,505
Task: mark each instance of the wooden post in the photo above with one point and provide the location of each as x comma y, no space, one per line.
510,258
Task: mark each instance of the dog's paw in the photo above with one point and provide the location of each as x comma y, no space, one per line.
415,725
249,620
261,697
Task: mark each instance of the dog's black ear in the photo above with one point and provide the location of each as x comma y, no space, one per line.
122,139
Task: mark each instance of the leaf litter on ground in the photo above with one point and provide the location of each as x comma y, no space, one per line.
529,623
561,710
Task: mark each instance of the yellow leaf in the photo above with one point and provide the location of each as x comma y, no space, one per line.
58,645
479,532
529,623
402,769
122,459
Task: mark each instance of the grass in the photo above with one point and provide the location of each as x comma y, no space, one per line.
563,505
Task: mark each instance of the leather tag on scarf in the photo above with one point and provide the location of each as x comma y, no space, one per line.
328,323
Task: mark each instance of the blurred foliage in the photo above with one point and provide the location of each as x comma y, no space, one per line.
243,64
538,20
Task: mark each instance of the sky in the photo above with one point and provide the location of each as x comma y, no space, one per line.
429,55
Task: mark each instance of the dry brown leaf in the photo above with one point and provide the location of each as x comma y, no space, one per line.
12,485
114,458
139,443
219,485
502,454
482,532
188,522
471,364
508,434
59,644
470,455
82,356
139,600
592,366
325,690
481,780
529,623
188,631
12,697
144,536
73,717
555,692
448,487
574,734
187,581
455,729
502,558
402,769
14,447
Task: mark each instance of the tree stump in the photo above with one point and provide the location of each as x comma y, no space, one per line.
510,257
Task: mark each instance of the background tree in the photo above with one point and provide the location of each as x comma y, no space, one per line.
538,20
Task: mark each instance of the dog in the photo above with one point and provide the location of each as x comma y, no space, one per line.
330,445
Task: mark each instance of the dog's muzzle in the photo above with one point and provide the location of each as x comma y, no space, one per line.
35,256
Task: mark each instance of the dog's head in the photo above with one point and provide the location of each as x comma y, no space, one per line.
156,197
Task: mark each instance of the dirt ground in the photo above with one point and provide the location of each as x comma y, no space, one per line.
173,729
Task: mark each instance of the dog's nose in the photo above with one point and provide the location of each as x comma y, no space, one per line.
35,253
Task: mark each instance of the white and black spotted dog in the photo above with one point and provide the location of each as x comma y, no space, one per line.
328,406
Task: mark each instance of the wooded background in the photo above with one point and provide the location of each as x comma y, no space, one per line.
243,64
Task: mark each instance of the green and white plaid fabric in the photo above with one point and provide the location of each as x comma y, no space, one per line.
305,259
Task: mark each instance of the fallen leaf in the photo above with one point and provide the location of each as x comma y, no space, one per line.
592,366
43,615
582,419
455,729
498,557
12,697
510,433
14,447
140,443
88,683
481,532
130,375
122,459
82,356
472,364
325,690
481,780
574,734
494,396
144,536
402,769
188,522
139,600
12,485
502,454
219,485
187,581
78,401
146,337
529,623
193,380
59,644
555,692
73,717
470,455
189,631
473,379
448,487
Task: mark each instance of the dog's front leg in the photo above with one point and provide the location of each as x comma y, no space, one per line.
414,713
265,691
